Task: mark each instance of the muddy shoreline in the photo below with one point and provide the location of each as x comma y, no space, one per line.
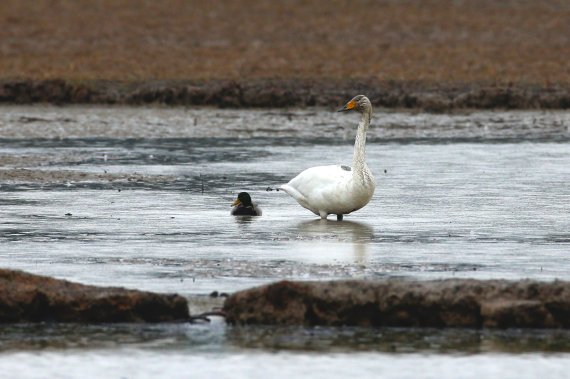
282,93
466,303
27,297
400,303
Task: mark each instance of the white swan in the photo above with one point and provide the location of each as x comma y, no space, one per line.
338,189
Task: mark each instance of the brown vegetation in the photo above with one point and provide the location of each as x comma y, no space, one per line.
432,41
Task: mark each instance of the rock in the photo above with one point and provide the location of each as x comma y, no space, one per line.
32,298
402,303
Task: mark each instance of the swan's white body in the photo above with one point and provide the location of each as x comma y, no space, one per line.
338,189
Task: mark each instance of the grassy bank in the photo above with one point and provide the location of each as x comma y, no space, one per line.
443,46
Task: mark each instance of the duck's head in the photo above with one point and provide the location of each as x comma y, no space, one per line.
243,198
359,103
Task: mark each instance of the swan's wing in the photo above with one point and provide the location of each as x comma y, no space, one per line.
318,185
320,177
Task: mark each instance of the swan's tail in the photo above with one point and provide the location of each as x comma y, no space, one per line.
290,191
298,196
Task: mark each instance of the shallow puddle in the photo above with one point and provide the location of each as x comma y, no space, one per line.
141,198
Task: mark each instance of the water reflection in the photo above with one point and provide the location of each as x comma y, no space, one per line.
356,231
398,340
337,240
245,220
216,337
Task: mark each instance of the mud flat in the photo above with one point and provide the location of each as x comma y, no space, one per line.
401,303
22,175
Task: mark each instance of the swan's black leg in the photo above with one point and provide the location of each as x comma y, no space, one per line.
339,217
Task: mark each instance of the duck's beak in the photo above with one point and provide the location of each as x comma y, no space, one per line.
236,202
348,107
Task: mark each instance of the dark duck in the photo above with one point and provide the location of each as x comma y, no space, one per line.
243,206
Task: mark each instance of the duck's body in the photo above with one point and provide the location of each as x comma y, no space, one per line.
243,206
338,189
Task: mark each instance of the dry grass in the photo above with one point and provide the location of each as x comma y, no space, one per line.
443,41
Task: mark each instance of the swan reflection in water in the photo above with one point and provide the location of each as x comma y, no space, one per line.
323,241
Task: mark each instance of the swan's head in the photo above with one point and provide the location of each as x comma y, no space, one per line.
359,103
243,198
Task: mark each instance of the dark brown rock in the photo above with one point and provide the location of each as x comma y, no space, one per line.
32,298
401,303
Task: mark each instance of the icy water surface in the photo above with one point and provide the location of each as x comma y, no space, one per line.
141,198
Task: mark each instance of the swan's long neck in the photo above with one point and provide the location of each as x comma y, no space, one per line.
359,158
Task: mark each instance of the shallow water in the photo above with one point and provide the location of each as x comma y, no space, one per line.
480,195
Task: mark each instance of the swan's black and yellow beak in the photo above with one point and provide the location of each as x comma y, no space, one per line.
236,202
348,107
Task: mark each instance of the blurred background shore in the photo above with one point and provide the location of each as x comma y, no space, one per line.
434,55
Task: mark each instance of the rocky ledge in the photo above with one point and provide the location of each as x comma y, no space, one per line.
402,303
32,298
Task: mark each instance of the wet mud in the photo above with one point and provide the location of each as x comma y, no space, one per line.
32,298
70,178
404,303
